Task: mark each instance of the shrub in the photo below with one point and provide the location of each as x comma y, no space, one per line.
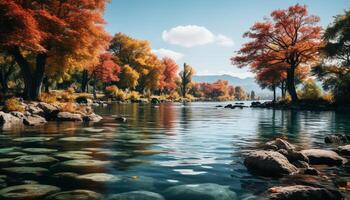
67,97
13,104
48,98
329,97
81,99
70,90
69,107
134,96
174,95
111,91
310,91
114,92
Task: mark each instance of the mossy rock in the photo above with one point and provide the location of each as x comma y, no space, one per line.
28,192
34,160
136,195
76,195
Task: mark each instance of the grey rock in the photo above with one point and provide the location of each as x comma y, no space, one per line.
269,163
92,118
34,120
278,144
327,157
67,116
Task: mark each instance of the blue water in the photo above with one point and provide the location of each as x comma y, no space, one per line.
172,144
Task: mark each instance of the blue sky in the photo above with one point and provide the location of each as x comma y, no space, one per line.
203,33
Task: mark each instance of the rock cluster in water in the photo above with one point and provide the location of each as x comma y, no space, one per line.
37,113
280,158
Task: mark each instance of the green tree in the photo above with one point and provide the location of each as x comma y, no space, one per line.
310,90
334,70
186,79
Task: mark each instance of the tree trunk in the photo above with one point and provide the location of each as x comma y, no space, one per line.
46,85
274,94
84,81
94,86
283,91
32,81
3,80
291,84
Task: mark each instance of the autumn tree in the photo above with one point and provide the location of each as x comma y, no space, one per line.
50,37
128,78
7,69
290,38
137,54
240,93
105,71
169,74
185,83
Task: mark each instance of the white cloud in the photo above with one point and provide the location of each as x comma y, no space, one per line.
223,40
193,35
188,36
168,53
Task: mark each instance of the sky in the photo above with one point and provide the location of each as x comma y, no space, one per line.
203,33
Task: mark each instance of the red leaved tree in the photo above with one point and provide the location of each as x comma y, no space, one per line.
291,38
51,37
106,70
168,78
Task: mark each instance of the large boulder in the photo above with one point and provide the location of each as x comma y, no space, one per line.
137,195
269,163
67,116
207,191
324,157
33,108
34,120
337,139
294,156
27,192
50,111
76,195
278,144
297,192
7,118
344,150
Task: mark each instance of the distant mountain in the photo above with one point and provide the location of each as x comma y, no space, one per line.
248,84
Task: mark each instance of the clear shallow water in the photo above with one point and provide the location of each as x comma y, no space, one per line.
169,145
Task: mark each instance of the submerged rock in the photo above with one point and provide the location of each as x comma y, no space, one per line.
98,178
337,139
27,191
120,119
269,163
92,118
83,165
34,160
297,192
207,191
76,195
324,157
32,139
39,150
67,116
136,195
72,156
25,171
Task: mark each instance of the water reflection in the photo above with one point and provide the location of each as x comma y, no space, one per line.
164,145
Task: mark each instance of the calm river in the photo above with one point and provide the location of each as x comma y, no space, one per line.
163,146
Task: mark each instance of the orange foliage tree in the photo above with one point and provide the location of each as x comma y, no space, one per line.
291,38
169,75
51,37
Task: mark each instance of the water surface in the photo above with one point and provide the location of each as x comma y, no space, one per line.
171,144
